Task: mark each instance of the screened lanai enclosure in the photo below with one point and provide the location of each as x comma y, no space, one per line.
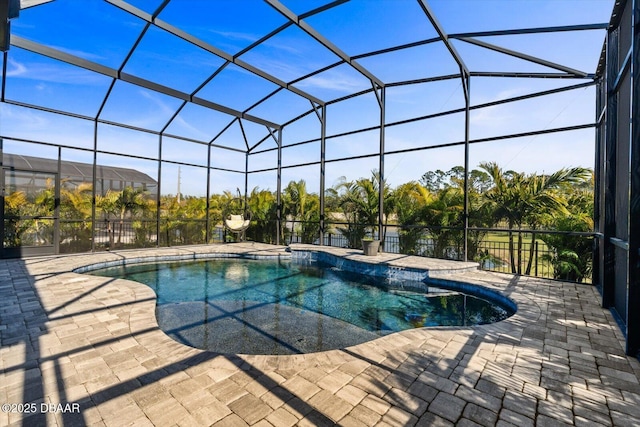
503,132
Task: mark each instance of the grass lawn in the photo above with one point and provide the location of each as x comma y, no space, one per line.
497,244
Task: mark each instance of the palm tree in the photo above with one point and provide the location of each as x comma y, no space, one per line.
192,212
441,214
107,205
303,207
121,204
44,205
145,224
361,200
295,199
346,199
409,201
76,203
310,226
523,199
571,255
216,205
76,207
14,204
365,199
263,214
129,202
546,198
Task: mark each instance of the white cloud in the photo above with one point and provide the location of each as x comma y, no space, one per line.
490,117
18,122
235,35
191,131
52,72
284,70
21,116
149,118
335,81
155,99
90,56
284,47
15,68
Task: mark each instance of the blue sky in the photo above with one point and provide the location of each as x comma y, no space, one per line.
99,32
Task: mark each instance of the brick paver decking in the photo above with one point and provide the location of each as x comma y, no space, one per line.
93,343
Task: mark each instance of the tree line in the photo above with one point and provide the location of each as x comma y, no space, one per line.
429,209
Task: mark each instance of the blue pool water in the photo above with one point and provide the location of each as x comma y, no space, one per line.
288,307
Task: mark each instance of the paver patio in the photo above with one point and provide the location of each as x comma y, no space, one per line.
94,341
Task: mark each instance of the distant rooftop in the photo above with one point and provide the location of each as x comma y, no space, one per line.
82,172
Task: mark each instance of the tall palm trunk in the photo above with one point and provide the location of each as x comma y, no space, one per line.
531,253
512,252
519,252
383,234
121,226
110,232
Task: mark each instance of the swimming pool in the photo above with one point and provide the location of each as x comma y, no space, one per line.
290,307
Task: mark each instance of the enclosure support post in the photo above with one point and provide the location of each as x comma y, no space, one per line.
608,285
633,302
93,185
1,197
207,234
95,165
597,277
158,216
56,204
323,146
465,216
381,179
4,76
246,176
279,190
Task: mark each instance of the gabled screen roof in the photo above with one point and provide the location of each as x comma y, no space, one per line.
161,65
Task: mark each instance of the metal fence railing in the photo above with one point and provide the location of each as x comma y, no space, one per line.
548,254
75,235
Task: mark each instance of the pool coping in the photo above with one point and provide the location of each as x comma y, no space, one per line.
459,275
195,256
446,273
